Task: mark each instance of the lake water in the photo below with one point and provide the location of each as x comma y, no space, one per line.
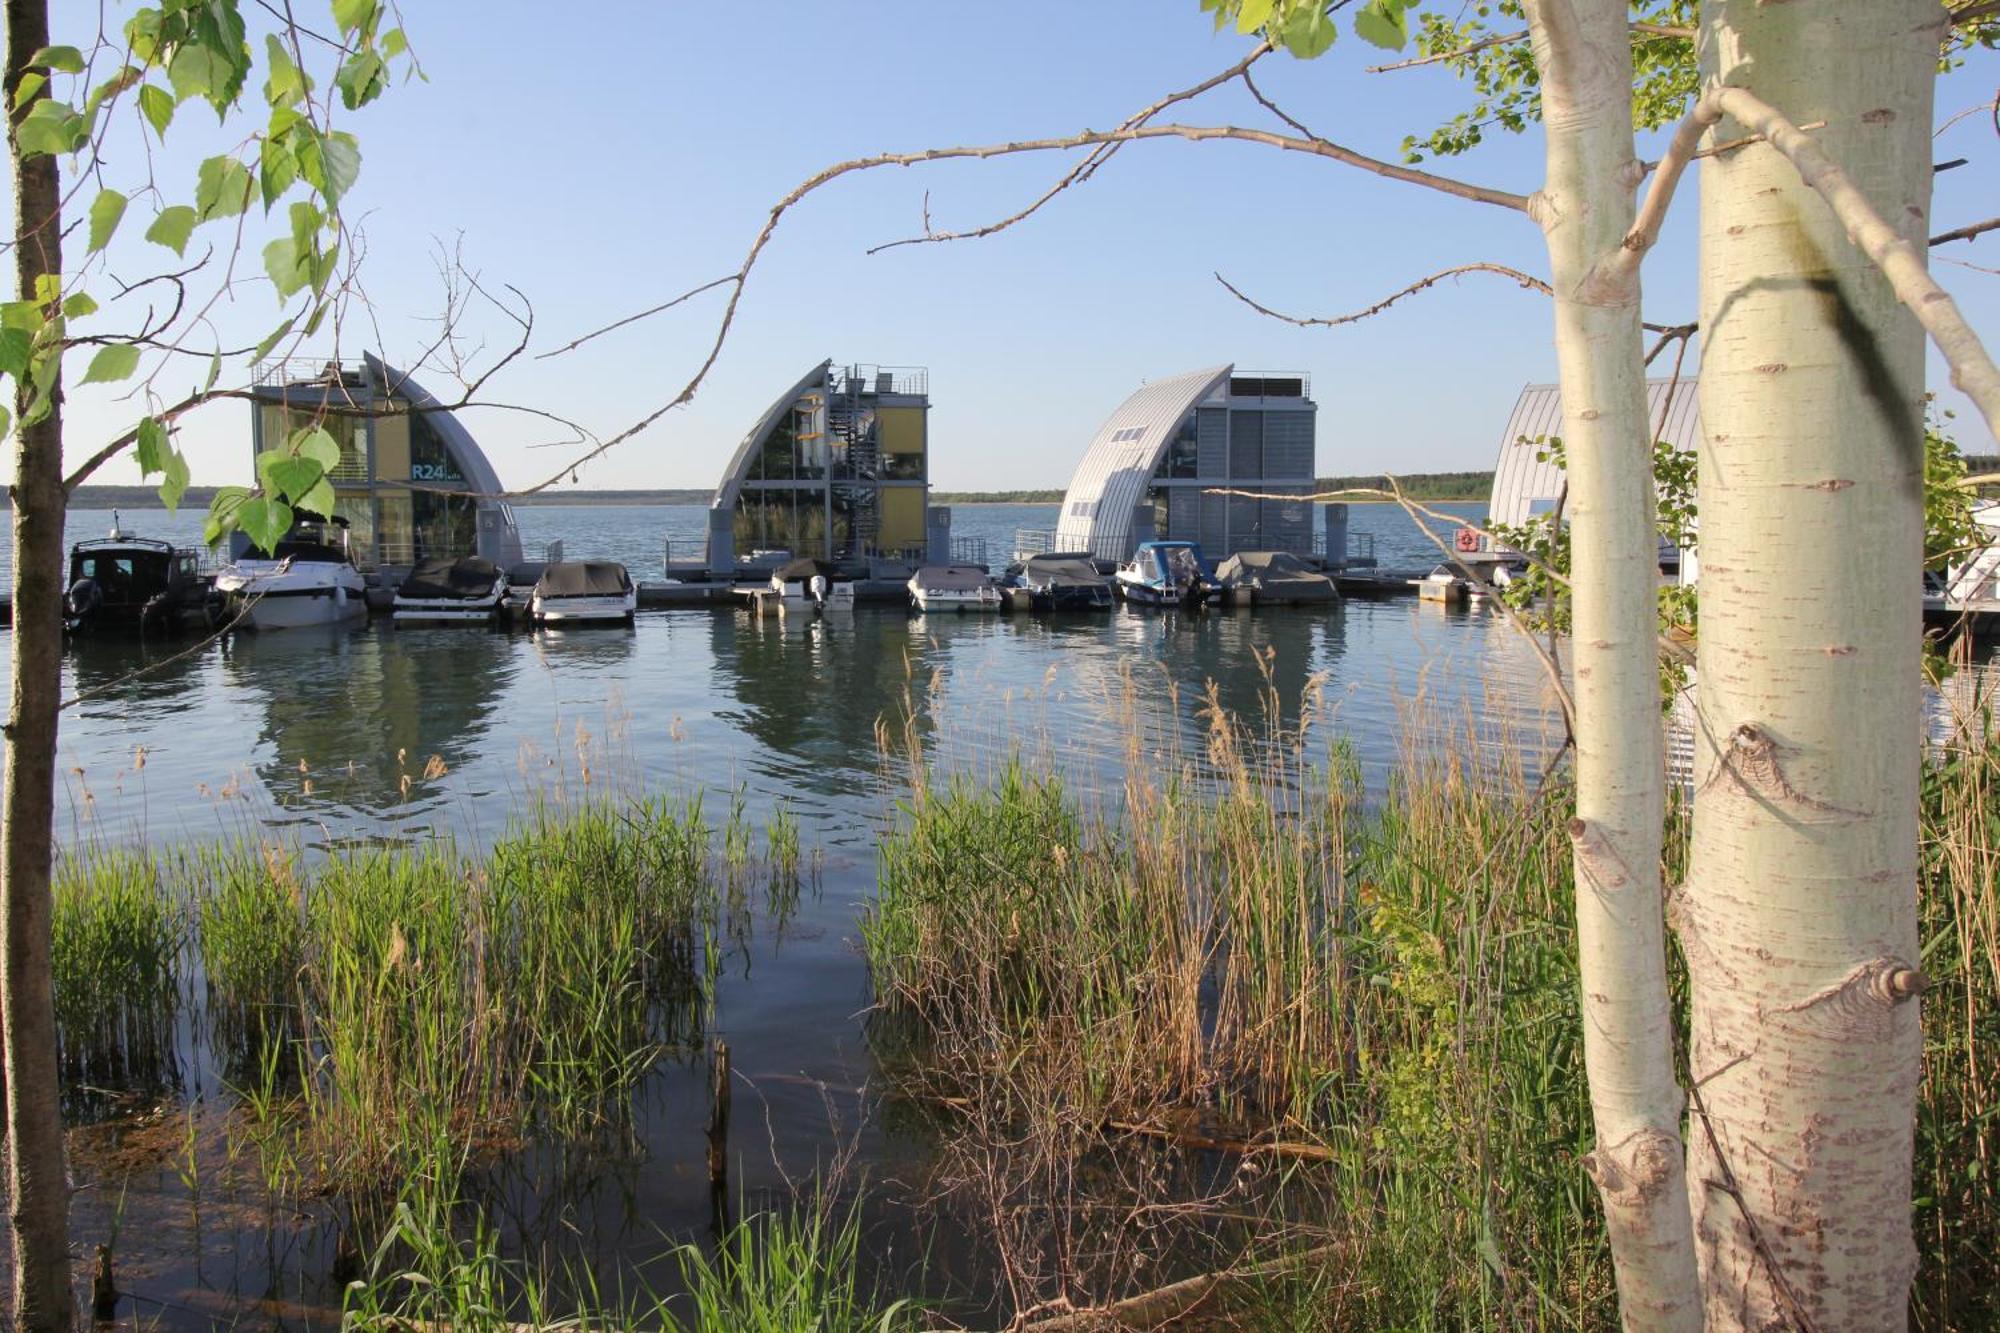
373,733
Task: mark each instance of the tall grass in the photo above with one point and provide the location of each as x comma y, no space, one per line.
1241,952
116,932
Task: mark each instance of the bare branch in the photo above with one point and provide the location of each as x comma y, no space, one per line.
1527,280
1966,233
1087,168
664,306
1309,145
1643,30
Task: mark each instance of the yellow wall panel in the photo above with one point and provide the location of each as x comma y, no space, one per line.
901,521
900,430
392,448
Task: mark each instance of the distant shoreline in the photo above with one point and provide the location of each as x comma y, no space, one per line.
1433,488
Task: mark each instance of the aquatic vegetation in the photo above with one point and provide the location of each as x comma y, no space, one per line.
1242,956
116,937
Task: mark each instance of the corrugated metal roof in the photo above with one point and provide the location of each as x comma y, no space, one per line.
732,476
1112,477
1524,485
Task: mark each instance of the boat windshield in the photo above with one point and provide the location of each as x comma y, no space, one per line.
1176,563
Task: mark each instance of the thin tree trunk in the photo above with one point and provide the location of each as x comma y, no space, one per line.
37,1183
1586,210
1800,920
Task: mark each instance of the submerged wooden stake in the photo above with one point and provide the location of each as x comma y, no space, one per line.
718,1136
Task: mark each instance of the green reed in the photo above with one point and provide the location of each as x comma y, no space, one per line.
1247,950
117,933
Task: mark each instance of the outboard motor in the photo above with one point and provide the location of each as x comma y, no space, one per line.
81,602
817,587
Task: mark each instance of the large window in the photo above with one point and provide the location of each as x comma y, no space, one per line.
349,431
1183,453
430,460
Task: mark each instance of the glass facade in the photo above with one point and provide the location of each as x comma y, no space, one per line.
813,484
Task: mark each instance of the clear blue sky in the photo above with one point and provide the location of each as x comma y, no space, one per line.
605,156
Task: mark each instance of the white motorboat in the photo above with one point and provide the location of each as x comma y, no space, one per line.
807,584
953,588
583,592
310,579
1441,585
446,591
1166,574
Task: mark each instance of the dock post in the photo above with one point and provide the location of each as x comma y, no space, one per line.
718,1137
1336,535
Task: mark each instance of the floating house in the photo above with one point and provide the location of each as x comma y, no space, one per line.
1150,471
411,484
1528,485
838,469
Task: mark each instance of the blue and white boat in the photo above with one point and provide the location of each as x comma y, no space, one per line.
1166,574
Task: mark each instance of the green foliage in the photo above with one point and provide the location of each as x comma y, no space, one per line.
181,51
1949,529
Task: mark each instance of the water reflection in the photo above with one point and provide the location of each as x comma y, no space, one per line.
365,721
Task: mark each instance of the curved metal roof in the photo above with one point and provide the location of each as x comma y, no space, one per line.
1524,485
739,462
1112,477
465,451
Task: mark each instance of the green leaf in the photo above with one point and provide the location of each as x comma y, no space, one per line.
50,127
175,484
106,212
1381,24
331,164
394,43
172,228
197,71
286,84
316,443
1309,33
1253,14
79,305
277,168
353,15
65,58
222,188
151,448
264,521
29,88
222,513
271,340
319,499
361,79
16,345
286,474
157,105
214,372
112,363
6,422
282,261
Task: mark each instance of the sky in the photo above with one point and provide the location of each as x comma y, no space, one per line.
609,156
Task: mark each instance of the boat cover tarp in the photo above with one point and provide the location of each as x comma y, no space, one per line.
951,578
1061,571
802,569
584,578
1278,576
443,577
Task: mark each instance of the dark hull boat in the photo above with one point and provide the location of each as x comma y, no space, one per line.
447,591
1058,582
133,585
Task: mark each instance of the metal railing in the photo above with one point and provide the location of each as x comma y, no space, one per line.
1360,547
882,379
1033,541
969,551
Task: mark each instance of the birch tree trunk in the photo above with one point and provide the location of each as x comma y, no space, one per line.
1586,211
1800,914
38,1188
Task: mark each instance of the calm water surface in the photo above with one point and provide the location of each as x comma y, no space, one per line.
374,733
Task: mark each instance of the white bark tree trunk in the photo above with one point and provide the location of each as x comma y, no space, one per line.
1586,211
1800,915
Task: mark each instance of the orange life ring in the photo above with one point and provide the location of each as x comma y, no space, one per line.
1466,539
